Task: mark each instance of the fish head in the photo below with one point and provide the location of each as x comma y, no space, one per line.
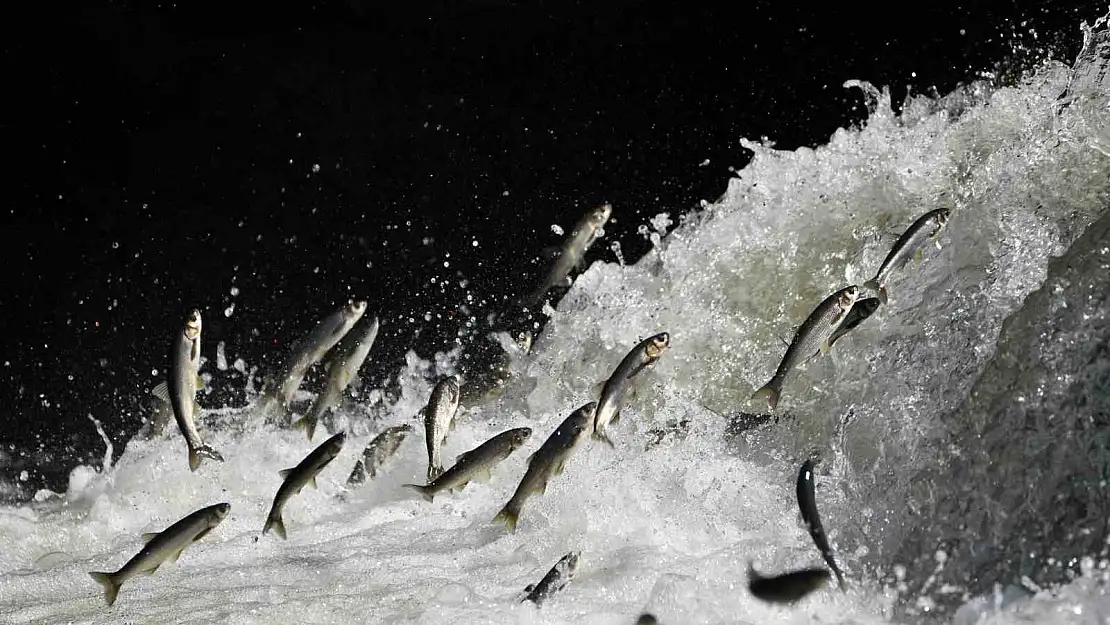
450,386
335,444
192,324
597,217
221,510
519,437
815,578
848,298
584,419
524,341
656,345
571,559
354,308
941,219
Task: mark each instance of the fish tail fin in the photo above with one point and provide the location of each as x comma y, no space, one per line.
508,516
308,424
769,394
877,289
111,588
208,452
275,522
425,491
603,437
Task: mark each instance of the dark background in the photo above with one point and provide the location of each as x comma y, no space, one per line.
160,156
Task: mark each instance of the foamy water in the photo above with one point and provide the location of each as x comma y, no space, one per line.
895,413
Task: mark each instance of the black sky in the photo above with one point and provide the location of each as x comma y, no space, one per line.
160,156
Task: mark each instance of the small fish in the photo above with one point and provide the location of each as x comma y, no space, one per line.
910,245
475,464
788,587
296,478
483,381
439,417
181,388
861,310
555,580
350,353
641,357
647,619
807,503
548,461
812,337
162,547
377,452
573,252
309,350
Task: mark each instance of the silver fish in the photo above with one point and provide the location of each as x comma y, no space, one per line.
548,461
309,350
296,478
641,357
162,547
377,452
349,355
807,504
181,388
910,245
439,417
475,464
811,338
481,383
788,587
555,580
573,251
863,308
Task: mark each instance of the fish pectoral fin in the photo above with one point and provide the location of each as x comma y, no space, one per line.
917,256
200,535
558,469
451,426
162,391
149,536
175,555
152,570
200,381
825,346
483,475
196,407
313,482
284,473
616,418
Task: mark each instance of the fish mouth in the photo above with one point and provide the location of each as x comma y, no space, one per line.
356,307
222,510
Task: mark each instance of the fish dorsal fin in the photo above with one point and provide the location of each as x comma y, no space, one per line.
149,536
162,391
463,456
284,473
